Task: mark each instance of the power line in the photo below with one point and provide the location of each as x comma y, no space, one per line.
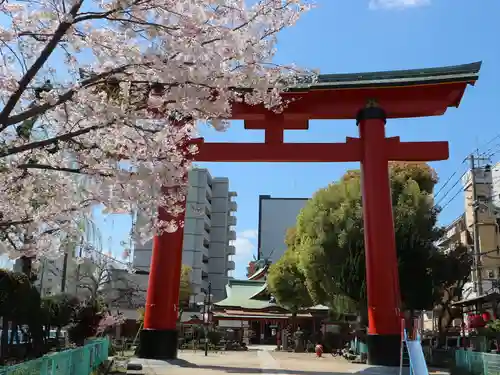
449,190
446,183
492,139
451,200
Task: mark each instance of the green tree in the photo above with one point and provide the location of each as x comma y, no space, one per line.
185,288
20,308
451,272
60,310
287,283
329,239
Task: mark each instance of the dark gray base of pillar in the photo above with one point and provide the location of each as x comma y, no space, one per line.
384,350
158,344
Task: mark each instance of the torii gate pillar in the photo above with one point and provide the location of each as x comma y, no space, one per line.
383,294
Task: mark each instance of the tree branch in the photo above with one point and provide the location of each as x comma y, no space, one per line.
38,110
49,141
38,64
61,169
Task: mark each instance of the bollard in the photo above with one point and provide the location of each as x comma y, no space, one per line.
319,350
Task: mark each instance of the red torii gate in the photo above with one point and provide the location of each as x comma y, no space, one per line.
370,98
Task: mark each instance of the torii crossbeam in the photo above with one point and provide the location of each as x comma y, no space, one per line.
370,98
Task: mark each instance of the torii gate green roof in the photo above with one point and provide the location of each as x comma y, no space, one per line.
455,73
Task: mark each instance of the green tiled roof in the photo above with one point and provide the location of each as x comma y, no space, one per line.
456,73
243,293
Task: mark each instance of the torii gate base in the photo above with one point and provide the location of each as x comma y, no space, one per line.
417,94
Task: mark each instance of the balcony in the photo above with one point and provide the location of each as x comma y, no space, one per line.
204,270
231,250
206,237
207,220
231,235
231,220
232,206
230,265
232,194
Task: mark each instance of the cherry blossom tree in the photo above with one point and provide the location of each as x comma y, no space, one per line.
109,92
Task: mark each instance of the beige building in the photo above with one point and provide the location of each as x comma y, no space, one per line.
488,225
460,231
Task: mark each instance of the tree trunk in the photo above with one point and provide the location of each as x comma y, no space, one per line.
4,339
444,320
27,267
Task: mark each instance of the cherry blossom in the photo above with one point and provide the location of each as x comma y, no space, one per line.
109,320
101,97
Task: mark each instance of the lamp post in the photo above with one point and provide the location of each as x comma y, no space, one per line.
206,313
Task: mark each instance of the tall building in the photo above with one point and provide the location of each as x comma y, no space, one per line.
462,230
276,216
50,274
208,235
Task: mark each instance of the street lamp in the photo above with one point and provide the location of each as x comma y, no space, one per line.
206,313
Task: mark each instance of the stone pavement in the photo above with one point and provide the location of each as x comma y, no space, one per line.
256,362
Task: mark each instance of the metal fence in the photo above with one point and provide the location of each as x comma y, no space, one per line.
358,347
78,361
477,363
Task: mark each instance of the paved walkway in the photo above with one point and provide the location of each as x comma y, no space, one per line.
257,362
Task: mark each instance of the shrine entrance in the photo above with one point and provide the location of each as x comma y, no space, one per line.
370,99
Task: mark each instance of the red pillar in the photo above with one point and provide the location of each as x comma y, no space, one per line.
159,337
384,338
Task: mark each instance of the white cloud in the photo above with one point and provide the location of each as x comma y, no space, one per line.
397,4
246,250
249,233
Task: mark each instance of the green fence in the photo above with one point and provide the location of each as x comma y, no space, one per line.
78,361
477,363
358,347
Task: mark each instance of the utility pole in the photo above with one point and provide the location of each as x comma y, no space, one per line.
206,315
475,229
64,272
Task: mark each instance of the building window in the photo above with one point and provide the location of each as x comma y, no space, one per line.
491,274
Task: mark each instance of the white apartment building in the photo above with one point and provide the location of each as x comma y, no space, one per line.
208,235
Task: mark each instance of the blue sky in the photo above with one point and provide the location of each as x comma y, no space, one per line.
342,36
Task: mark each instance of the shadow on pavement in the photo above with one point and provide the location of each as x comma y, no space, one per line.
181,363
247,370
139,365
